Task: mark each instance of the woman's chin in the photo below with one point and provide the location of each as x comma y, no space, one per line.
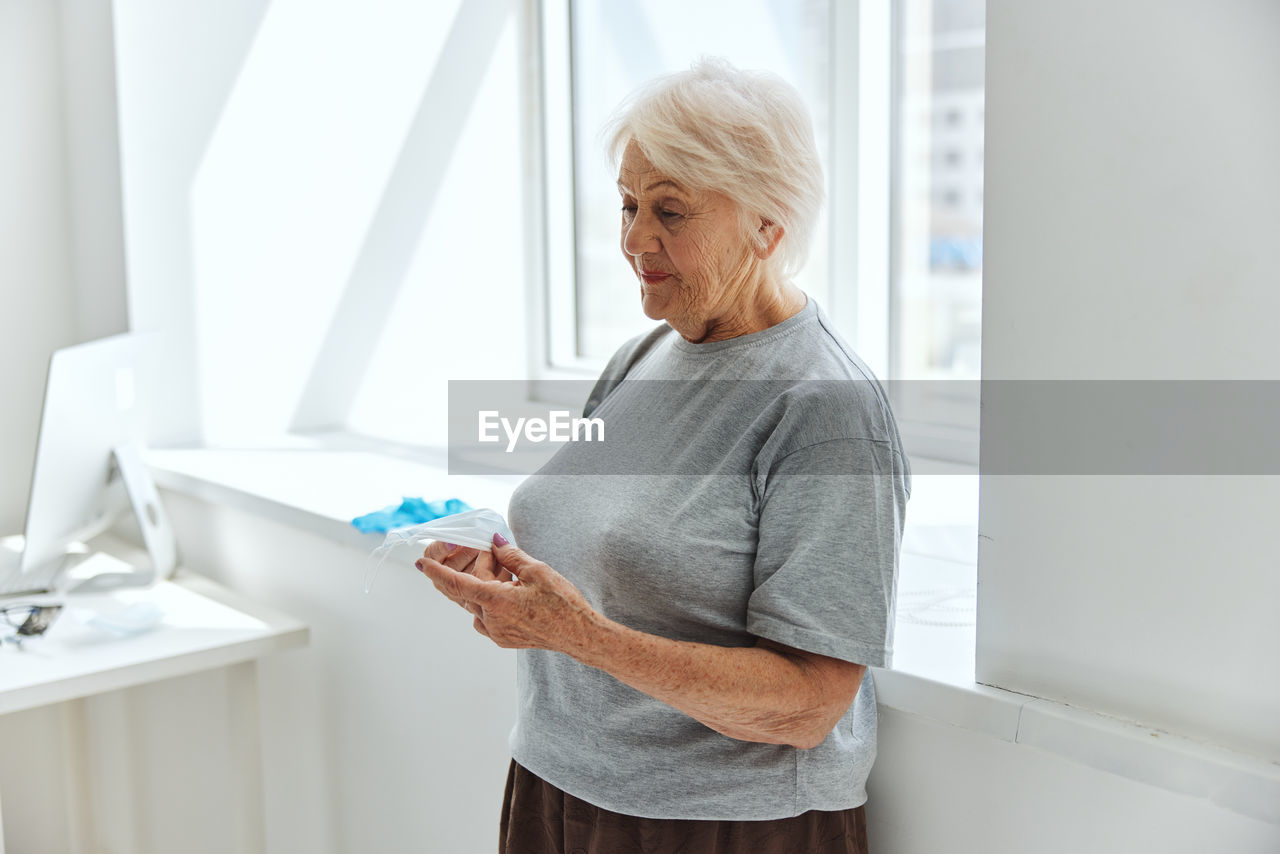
653,308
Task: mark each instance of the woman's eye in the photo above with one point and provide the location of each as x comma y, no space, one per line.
628,210
670,214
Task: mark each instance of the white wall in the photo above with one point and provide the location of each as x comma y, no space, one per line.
1133,204
37,314
324,208
167,115
61,266
61,282
940,788
92,137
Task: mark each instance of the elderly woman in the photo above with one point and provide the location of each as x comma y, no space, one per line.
697,602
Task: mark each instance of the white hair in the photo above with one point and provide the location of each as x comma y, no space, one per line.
744,134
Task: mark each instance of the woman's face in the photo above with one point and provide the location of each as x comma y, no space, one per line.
687,249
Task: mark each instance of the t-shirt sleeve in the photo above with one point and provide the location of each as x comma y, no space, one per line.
830,527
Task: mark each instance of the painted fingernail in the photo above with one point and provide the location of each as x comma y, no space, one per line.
499,540
418,563
450,546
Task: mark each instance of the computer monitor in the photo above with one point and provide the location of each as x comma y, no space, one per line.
87,461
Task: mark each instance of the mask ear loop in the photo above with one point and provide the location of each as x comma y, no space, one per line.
379,556
373,564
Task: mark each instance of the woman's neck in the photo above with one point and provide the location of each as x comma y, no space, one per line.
762,307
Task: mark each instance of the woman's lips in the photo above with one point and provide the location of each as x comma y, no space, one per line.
653,277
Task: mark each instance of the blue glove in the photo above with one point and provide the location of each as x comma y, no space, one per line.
411,511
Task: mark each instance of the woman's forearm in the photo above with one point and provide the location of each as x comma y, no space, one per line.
768,693
764,693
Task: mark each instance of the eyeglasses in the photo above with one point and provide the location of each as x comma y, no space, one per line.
27,621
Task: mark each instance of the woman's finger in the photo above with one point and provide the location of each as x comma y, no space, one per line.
457,585
437,550
488,568
457,558
463,560
452,595
517,562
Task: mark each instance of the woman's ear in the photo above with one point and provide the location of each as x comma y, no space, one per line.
768,238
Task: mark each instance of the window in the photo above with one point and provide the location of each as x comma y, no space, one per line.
936,276
897,263
938,223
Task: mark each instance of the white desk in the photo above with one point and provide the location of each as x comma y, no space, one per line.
204,626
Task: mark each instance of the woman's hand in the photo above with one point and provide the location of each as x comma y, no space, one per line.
517,602
474,562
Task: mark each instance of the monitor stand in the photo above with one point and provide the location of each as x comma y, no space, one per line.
157,533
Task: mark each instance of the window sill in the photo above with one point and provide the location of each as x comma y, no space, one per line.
316,486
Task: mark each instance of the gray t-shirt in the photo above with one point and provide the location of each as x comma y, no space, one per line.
748,488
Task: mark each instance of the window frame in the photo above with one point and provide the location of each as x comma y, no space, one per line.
554,336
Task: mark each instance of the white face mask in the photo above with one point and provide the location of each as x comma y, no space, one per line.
474,529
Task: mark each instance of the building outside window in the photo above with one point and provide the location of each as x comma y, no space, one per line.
938,248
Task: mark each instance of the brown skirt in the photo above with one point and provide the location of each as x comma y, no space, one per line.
538,818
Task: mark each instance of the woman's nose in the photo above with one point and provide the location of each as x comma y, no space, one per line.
638,237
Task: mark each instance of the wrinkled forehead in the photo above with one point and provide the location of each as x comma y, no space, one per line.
637,173
634,160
